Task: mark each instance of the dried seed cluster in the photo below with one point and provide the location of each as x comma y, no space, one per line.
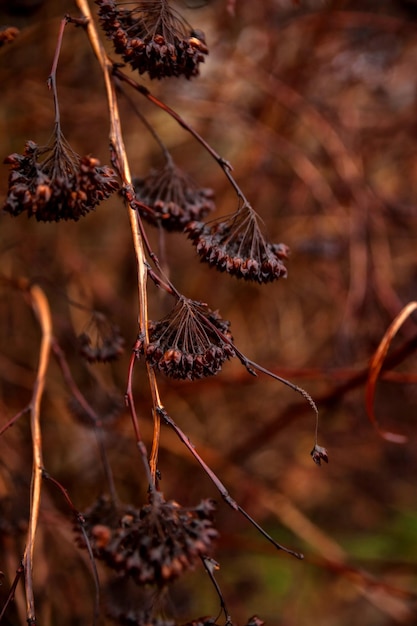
237,246
187,343
174,198
53,183
152,37
101,341
154,544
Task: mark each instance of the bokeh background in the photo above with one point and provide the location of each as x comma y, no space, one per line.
314,105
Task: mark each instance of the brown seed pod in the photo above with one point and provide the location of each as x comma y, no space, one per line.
152,37
53,183
154,544
173,197
237,246
101,341
188,342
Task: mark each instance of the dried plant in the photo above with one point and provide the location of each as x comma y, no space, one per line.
138,544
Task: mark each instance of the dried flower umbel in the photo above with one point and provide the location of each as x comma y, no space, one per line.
53,183
174,198
152,37
188,343
154,544
237,246
101,341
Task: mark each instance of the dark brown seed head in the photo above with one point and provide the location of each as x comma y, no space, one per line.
53,183
237,246
154,544
191,342
101,341
152,37
173,198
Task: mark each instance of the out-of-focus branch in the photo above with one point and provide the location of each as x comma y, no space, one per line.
41,309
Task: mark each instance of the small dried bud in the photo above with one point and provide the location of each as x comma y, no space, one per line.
319,454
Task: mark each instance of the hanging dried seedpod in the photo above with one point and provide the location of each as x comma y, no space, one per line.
191,342
237,246
154,544
153,37
101,341
53,183
173,197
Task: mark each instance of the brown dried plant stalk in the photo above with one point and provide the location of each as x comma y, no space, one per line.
42,312
121,161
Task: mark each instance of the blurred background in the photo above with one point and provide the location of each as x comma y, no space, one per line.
314,104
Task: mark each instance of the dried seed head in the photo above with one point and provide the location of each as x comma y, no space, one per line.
187,343
154,544
152,37
319,454
101,341
174,198
53,183
237,246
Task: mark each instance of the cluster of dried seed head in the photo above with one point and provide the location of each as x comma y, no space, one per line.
53,183
152,37
174,199
152,545
237,246
101,341
191,342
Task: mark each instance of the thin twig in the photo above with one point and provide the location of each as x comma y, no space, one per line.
52,75
12,591
14,419
81,523
219,485
86,406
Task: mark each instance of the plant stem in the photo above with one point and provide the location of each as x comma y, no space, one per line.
118,147
41,309
52,75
